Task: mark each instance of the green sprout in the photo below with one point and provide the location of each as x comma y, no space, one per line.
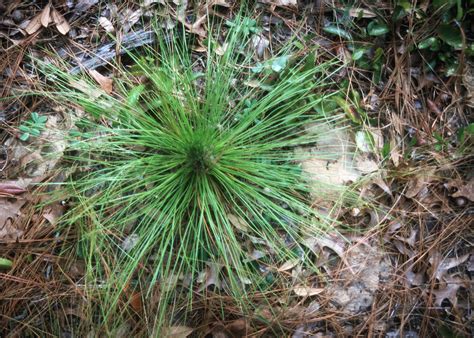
32,127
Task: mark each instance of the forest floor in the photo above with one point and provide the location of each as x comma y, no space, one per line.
409,90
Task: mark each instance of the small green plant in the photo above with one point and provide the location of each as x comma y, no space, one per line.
245,25
32,127
177,175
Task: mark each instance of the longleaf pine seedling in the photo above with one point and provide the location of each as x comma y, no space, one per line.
190,166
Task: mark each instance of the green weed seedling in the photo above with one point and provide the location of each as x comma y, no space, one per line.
33,126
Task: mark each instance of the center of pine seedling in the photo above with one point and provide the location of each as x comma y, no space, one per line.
200,158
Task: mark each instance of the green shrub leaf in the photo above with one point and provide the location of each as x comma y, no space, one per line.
5,263
451,35
336,30
377,29
427,43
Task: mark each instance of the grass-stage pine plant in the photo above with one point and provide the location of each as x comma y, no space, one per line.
190,165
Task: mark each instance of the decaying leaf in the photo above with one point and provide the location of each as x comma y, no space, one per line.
210,276
365,164
441,266
129,18
360,280
11,188
104,81
305,291
420,181
169,283
9,211
463,189
288,265
414,278
223,3
34,25
260,43
177,331
45,17
61,24
331,242
238,222
106,24
448,291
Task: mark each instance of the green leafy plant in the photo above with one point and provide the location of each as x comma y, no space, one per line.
33,126
177,175
245,25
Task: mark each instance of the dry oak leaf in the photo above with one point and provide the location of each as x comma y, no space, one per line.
104,81
8,212
464,190
441,265
420,181
449,291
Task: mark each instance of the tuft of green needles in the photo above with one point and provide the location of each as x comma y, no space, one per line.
191,163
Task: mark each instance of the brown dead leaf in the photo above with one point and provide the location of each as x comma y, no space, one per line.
238,222
10,189
53,213
136,301
210,276
9,211
331,242
414,279
104,81
288,265
305,291
177,331
33,25
238,327
441,266
420,181
45,17
61,24
449,291
463,189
